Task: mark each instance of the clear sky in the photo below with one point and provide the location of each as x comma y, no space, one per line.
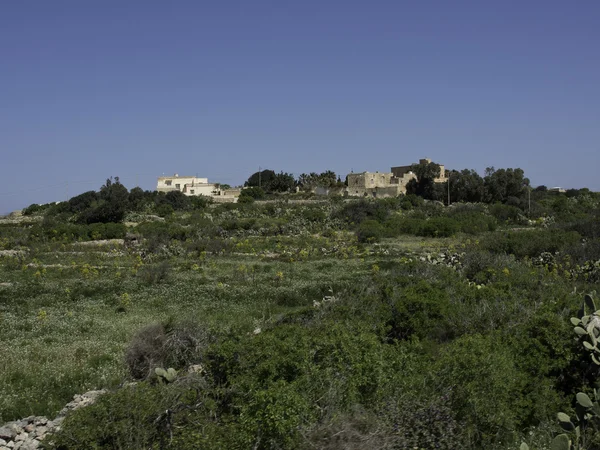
136,89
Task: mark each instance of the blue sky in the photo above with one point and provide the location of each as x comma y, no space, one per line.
136,89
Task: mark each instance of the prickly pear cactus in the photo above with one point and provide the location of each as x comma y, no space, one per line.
166,376
587,411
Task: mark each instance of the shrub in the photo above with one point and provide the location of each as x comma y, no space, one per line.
145,351
413,308
154,273
529,243
200,201
357,430
506,213
398,225
165,210
245,199
178,200
370,231
34,208
354,212
478,370
125,419
255,192
425,423
439,227
166,345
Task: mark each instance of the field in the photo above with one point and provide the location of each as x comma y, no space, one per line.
316,324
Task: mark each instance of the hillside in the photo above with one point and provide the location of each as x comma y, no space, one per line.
328,323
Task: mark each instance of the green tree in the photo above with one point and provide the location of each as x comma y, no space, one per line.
325,179
178,200
112,205
425,186
260,179
504,184
466,186
281,182
255,192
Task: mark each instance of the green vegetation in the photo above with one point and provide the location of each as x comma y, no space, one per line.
393,323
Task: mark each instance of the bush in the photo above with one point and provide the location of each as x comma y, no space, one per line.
34,209
166,345
154,273
125,419
356,211
507,213
439,227
178,200
370,231
245,199
357,430
255,192
529,243
165,210
472,221
485,384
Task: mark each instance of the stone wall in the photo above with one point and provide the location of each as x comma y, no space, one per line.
28,433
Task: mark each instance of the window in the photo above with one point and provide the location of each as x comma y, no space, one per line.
168,182
177,186
192,191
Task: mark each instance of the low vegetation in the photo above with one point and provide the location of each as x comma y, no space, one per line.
394,323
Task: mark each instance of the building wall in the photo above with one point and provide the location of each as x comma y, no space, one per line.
369,180
199,189
401,171
194,186
177,183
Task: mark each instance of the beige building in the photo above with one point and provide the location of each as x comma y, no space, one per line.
196,186
377,184
386,184
400,171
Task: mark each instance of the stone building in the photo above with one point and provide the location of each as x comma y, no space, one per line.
400,171
377,184
386,184
196,186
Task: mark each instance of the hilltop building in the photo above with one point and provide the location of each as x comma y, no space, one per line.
400,171
192,186
386,184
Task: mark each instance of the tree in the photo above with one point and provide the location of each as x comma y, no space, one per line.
502,184
112,205
466,186
137,198
260,179
425,186
83,201
271,181
282,182
178,200
327,179
255,192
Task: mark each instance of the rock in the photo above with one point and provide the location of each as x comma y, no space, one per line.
30,444
8,432
2,442
29,427
21,437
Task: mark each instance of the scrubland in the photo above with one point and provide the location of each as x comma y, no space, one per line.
392,323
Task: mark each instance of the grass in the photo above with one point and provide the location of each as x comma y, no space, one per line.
63,327
400,331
